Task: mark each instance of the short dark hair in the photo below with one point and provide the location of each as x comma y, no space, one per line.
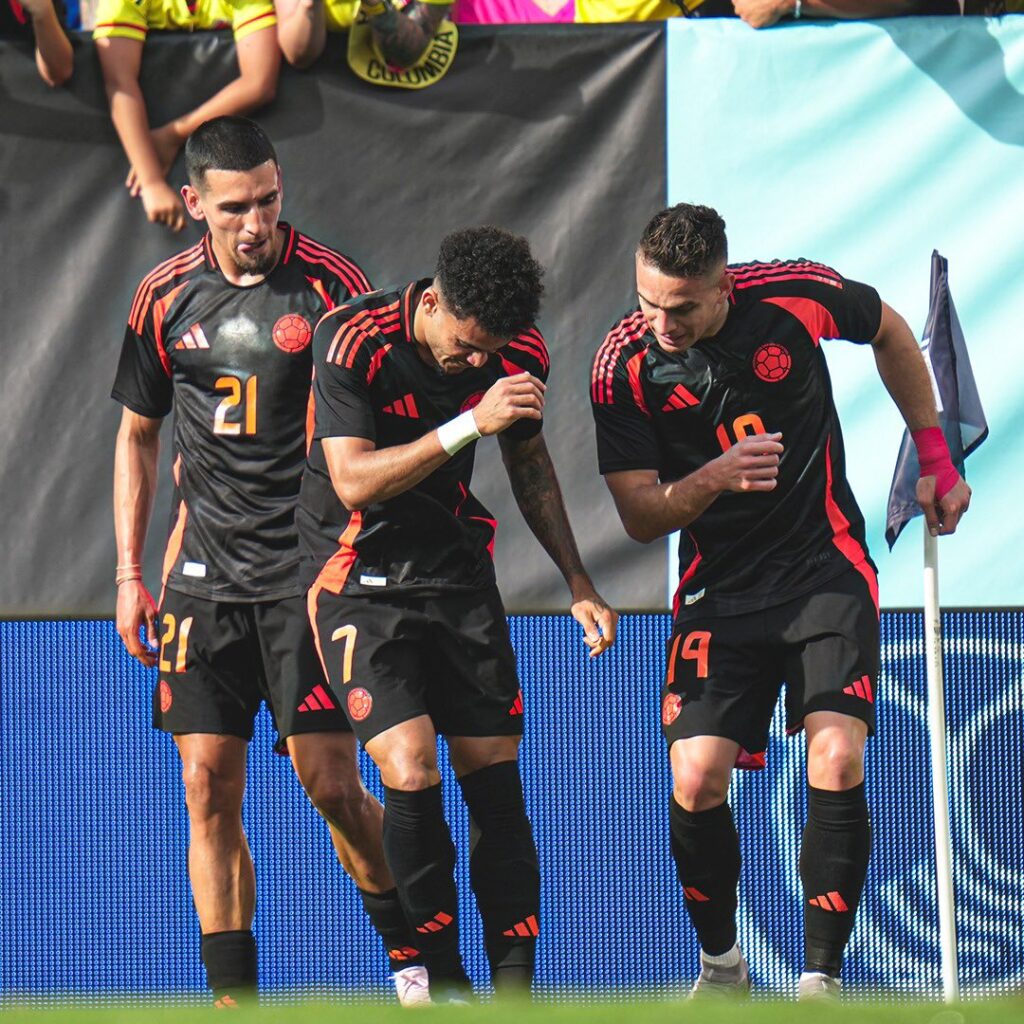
226,144
490,275
684,241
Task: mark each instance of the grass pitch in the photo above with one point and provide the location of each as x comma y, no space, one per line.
1003,1011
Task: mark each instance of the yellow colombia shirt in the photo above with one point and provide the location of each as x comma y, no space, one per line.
132,19
590,11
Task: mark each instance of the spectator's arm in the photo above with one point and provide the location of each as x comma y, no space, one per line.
301,30
120,60
403,36
763,13
54,57
259,61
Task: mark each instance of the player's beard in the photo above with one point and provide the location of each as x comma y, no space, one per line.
259,265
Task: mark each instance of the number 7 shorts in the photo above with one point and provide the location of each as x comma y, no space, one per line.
389,660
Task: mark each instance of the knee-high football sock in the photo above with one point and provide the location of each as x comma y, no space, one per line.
419,851
230,962
504,872
833,865
388,919
707,855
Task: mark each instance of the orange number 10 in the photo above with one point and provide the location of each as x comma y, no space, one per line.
743,426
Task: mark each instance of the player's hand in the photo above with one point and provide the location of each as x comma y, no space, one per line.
135,607
944,515
749,465
163,205
599,622
762,13
508,400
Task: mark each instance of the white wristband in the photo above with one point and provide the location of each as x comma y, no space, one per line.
459,432
797,7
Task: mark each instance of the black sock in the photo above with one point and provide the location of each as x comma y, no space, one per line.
504,872
230,962
388,919
420,854
833,865
707,855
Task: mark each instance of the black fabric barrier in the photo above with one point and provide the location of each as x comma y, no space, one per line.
555,132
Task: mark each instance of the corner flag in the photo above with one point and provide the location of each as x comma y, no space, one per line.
960,414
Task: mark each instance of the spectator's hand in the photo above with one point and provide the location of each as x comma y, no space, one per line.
166,143
37,8
163,205
762,13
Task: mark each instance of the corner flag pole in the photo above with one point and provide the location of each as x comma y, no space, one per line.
940,788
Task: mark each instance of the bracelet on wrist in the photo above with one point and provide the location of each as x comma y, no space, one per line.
457,433
797,9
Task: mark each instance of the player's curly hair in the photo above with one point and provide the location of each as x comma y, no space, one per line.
226,144
684,241
490,275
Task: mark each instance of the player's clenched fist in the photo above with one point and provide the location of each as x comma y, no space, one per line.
510,399
749,465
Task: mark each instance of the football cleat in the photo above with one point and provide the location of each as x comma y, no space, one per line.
715,980
412,986
814,985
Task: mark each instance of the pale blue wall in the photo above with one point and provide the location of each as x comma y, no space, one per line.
866,145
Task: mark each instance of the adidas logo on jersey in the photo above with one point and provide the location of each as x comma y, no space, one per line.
193,338
403,407
681,398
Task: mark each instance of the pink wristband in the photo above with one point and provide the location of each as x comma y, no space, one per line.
933,455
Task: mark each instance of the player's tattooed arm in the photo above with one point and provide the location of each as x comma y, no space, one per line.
404,35
539,497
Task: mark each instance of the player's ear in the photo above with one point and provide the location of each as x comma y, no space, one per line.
430,300
192,202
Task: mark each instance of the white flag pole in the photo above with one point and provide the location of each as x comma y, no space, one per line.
940,789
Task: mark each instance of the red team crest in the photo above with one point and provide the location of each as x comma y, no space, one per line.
670,708
292,333
772,362
166,697
360,703
472,402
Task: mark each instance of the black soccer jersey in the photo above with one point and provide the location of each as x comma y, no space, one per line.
371,382
763,372
236,364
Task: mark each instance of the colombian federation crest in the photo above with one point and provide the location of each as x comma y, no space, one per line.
366,60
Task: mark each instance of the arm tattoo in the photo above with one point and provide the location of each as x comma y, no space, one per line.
539,498
403,36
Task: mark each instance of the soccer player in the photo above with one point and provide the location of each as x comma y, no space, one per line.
120,36
222,333
403,601
714,415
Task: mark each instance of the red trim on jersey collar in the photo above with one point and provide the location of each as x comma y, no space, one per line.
211,260
289,242
408,313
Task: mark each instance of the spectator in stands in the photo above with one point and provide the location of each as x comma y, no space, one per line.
120,32
402,32
42,21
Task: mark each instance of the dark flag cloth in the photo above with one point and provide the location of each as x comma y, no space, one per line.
960,414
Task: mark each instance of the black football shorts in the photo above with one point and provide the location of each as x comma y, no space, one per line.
219,659
724,673
391,660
